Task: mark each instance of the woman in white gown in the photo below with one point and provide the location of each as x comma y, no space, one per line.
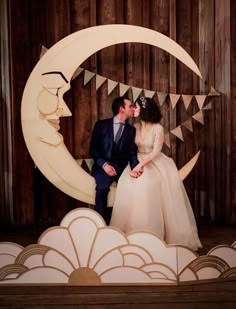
156,201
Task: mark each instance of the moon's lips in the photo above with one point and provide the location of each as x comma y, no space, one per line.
43,104
54,123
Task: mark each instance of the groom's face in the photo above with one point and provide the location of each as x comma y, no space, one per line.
128,109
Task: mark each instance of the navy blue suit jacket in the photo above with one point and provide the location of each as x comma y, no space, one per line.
101,146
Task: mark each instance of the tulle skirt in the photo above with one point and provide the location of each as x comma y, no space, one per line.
156,202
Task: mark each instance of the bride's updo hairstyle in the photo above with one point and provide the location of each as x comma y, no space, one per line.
149,110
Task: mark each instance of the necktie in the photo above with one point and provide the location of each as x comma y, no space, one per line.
119,132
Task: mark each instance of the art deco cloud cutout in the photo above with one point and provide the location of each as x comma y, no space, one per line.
83,250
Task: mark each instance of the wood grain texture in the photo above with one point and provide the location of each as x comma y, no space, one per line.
208,295
184,31
233,99
206,64
204,28
6,193
223,109
20,68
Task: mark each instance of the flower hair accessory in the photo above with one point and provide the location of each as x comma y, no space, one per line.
143,102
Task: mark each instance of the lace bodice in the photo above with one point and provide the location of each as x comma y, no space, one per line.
149,139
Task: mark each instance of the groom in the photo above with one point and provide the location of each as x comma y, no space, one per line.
112,147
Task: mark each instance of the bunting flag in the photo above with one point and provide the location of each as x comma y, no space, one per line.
79,161
188,124
111,85
178,132
174,99
199,117
77,72
187,99
87,76
200,100
99,81
136,92
43,51
89,163
213,92
148,93
161,97
123,89
167,139
208,106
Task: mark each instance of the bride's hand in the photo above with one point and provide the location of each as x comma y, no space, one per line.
134,174
137,171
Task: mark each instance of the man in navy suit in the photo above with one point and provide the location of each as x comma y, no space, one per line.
112,148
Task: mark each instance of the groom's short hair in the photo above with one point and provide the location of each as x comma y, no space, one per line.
117,103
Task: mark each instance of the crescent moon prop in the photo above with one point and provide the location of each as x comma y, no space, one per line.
43,104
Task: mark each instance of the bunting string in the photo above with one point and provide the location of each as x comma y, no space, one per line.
163,98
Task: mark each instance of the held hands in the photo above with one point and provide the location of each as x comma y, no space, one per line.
109,169
137,171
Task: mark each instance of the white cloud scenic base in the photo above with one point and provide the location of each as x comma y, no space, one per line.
84,251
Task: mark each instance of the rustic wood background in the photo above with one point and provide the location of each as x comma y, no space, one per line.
206,29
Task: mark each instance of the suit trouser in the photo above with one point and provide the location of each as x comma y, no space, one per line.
103,182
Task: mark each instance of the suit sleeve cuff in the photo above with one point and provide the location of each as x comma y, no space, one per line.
104,164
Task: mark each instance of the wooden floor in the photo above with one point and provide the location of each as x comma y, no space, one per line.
204,296
194,296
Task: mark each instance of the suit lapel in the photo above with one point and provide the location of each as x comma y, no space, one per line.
111,134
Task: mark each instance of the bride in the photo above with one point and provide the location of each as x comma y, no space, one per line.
156,201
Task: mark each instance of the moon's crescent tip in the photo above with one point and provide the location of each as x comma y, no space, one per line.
186,169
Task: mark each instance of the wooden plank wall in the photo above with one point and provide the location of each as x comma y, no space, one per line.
6,215
202,27
233,108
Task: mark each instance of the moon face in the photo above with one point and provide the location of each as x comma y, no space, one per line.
43,104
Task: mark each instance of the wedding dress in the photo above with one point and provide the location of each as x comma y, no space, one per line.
156,201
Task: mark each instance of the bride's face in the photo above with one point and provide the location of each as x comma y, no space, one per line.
137,110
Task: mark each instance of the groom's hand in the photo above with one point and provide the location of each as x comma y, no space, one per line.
109,170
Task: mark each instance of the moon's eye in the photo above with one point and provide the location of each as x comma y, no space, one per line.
47,103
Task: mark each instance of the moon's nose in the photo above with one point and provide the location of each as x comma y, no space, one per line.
63,111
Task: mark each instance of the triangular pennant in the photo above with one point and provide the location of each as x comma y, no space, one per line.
178,132
89,163
136,92
87,76
43,51
99,81
161,97
213,92
123,89
111,86
167,139
200,100
199,117
188,124
149,93
77,72
187,100
174,99
79,161
208,106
